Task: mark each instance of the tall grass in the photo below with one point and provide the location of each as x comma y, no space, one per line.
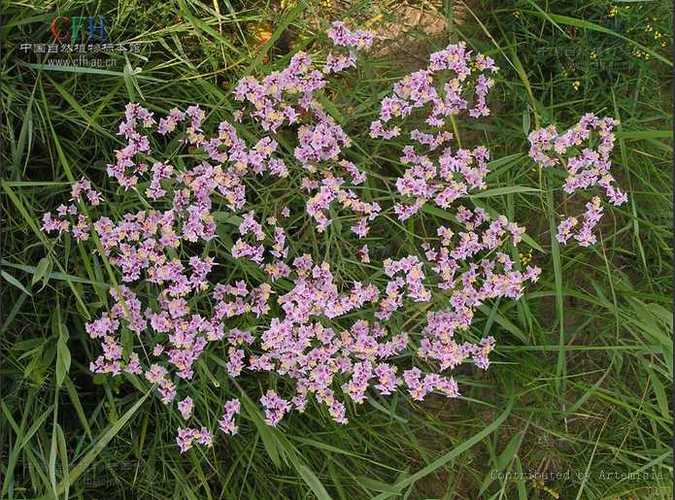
577,402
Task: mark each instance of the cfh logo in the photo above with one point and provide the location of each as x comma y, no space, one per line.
78,28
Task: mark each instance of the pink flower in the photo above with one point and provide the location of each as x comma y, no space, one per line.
185,408
275,407
268,307
585,169
226,423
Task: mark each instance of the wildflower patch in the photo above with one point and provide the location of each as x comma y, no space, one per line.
305,331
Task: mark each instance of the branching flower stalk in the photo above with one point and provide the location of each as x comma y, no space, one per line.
294,333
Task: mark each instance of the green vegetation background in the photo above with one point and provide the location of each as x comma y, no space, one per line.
576,404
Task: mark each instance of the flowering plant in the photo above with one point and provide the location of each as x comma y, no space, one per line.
296,320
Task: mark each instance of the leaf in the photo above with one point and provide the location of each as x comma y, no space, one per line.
529,241
97,448
271,444
281,26
455,452
504,323
312,481
62,353
638,135
278,447
583,24
227,218
75,400
37,424
503,460
526,121
63,454
332,109
55,275
439,212
13,281
42,271
660,393
62,360
504,190
374,484
520,481
505,160
373,402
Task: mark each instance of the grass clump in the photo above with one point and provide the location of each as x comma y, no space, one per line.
575,404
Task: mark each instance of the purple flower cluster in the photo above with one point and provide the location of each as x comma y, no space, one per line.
275,407
289,97
465,89
586,166
187,436
341,36
81,192
455,81
302,314
492,276
226,423
445,180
